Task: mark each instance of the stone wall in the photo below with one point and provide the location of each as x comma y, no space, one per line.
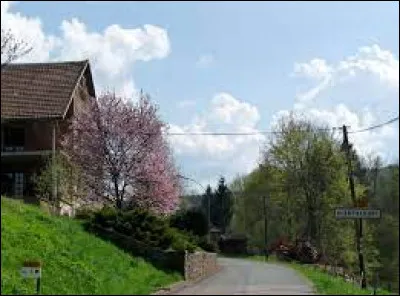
192,266
199,265
340,272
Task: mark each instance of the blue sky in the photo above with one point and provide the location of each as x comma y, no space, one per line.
230,66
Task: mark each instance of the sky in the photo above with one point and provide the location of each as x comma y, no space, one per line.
231,67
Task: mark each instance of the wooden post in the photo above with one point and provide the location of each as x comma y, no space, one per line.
359,225
38,286
265,228
54,177
209,217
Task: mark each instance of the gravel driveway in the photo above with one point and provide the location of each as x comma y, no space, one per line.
245,277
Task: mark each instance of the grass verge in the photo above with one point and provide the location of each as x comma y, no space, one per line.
74,261
330,285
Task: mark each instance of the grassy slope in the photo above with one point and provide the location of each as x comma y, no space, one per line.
74,262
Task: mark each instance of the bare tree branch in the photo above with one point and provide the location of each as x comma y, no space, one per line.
12,48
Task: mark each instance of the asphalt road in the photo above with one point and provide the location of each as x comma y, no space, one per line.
245,277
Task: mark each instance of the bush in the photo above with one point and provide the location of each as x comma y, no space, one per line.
193,221
85,213
70,186
180,241
106,217
145,228
207,246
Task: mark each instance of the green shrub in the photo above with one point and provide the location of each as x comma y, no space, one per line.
106,217
207,246
85,213
70,184
193,221
181,241
147,230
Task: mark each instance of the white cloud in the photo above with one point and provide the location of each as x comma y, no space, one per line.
205,61
316,69
30,30
380,142
229,154
333,100
370,60
360,91
229,110
112,52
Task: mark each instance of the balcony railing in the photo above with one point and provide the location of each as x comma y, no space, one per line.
12,149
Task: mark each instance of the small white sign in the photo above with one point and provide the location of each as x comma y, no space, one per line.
355,213
31,272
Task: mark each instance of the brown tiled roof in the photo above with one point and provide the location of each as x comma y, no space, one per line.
38,90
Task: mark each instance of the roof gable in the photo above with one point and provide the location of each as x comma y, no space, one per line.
40,90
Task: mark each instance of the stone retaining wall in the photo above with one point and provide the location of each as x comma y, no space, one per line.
339,271
192,266
199,265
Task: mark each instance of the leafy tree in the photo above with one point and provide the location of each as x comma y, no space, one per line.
125,159
222,206
303,172
207,202
62,174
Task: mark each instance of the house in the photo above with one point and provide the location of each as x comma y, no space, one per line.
37,99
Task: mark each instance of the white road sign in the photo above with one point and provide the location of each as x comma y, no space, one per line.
356,213
31,272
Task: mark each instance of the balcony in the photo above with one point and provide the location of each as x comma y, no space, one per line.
21,143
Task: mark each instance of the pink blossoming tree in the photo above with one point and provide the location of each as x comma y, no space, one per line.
125,159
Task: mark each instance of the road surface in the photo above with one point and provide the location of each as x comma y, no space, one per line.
245,277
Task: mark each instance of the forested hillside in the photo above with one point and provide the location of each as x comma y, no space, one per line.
303,175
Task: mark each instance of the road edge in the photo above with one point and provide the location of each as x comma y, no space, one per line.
176,287
306,279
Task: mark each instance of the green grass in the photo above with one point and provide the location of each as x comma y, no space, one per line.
330,285
74,261
324,284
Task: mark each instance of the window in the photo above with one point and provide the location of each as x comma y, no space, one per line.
14,138
19,184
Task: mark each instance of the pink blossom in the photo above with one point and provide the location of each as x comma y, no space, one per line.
123,154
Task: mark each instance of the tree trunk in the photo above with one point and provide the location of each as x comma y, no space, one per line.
117,195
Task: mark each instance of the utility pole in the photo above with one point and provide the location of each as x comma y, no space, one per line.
209,217
359,225
265,227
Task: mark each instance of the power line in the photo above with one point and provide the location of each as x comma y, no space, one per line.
238,133
375,126
277,132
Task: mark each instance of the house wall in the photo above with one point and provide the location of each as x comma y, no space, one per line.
80,99
39,136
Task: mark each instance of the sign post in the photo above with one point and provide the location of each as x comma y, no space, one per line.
33,270
359,212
